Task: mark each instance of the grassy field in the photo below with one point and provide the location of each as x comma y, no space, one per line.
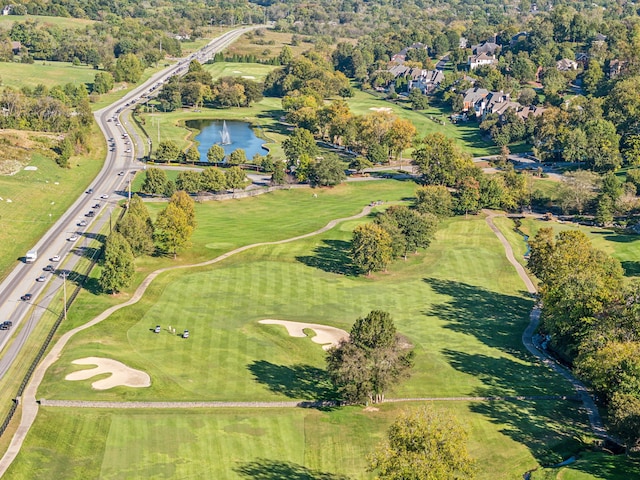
624,247
239,444
65,22
47,73
460,304
246,45
39,197
593,465
254,71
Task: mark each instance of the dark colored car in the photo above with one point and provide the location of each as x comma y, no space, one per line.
6,325
90,214
49,268
26,297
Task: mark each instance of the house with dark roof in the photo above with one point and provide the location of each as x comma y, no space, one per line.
566,65
616,67
480,60
401,56
487,47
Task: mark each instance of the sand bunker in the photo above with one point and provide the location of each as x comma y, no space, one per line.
325,336
381,109
121,375
249,77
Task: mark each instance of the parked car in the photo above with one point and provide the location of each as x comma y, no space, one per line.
185,334
26,297
157,329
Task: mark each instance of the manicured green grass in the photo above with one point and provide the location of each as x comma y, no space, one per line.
18,75
247,70
624,247
64,22
466,135
247,46
39,197
252,443
593,465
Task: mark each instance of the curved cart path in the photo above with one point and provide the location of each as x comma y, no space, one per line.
527,336
28,400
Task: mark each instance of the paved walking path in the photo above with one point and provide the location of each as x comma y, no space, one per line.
28,400
589,405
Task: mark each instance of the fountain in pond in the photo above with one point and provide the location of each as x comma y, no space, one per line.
226,138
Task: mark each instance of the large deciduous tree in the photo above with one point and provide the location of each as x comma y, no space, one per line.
167,151
372,360
327,171
118,268
424,444
213,180
215,154
138,232
415,230
440,162
173,231
155,182
371,249
300,142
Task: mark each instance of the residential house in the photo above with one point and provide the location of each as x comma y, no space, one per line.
566,65
480,60
401,56
482,102
472,97
490,48
583,59
426,80
462,43
616,67
531,110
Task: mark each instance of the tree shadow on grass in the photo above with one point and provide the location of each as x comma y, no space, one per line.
297,381
609,466
332,257
631,268
550,428
496,319
267,469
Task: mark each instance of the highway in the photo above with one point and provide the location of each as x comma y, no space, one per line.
124,157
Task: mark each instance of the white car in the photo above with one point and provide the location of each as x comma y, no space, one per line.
55,258
82,223
128,150
104,196
41,278
120,174
72,238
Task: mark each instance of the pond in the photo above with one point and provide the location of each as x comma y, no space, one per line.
238,135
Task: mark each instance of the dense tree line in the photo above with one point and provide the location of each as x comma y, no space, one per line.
592,317
211,179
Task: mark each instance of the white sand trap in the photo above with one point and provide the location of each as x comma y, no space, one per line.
249,77
325,335
381,109
121,375
237,71
31,168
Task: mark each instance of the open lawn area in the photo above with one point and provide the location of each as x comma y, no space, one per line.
593,465
460,304
252,443
18,75
65,22
251,71
273,42
39,197
624,247
466,135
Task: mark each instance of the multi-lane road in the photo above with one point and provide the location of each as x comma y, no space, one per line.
124,157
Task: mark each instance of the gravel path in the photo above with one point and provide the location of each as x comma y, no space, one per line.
28,400
588,403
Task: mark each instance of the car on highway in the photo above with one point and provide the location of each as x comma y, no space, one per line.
90,191
49,268
104,196
90,214
72,238
121,174
128,150
41,278
6,325
97,205
26,297
82,223
55,258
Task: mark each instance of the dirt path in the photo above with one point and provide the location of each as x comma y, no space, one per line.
589,405
28,400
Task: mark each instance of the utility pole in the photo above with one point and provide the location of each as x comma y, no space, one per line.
64,293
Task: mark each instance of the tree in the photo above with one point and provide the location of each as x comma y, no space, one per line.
625,419
173,231
593,77
236,178
185,203
603,145
400,136
103,82
416,230
424,444
237,157
360,163
439,161
434,199
189,181
155,182
418,100
192,155
377,153
278,177
371,248
128,68
327,171
372,360
577,189
138,233
469,196
117,269
300,142
215,154
213,180
167,151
